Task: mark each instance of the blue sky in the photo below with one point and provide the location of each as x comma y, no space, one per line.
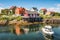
49,4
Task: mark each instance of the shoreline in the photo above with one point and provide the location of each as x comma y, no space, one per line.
21,22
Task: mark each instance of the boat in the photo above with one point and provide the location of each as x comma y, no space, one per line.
47,30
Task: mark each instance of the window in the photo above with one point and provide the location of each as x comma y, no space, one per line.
22,14
28,14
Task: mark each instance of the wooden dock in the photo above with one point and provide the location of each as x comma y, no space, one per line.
52,21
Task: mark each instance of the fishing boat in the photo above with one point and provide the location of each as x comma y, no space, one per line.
47,30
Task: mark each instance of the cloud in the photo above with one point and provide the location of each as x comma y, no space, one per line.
51,9
26,8
1,8
58,5
57,9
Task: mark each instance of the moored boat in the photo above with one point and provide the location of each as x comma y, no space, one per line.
47,30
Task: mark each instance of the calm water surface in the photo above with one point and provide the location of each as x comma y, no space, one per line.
35,33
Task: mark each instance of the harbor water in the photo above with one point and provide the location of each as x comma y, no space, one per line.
34,33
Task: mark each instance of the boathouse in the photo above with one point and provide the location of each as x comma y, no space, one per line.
32,16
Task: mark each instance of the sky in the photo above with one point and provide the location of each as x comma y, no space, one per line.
51,5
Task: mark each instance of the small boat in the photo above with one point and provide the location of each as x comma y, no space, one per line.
47,30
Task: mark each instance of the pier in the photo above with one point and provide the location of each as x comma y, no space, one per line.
33,19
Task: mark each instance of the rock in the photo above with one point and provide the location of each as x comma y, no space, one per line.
3,22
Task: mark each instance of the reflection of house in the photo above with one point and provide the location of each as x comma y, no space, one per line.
43,11
50,13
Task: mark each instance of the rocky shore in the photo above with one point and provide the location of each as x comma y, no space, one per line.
3,22
22,22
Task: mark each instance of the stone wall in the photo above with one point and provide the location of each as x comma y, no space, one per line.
52,21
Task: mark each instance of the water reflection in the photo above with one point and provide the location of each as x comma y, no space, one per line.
33,27
56,35
6,29
30,31
26,29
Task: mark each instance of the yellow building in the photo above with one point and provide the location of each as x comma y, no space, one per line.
49,13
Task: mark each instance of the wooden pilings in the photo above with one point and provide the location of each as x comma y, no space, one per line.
52,21
38,19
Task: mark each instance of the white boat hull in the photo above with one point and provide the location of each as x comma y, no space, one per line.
48,33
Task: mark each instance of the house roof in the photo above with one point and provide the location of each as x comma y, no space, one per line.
32,12
44,9
12,7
